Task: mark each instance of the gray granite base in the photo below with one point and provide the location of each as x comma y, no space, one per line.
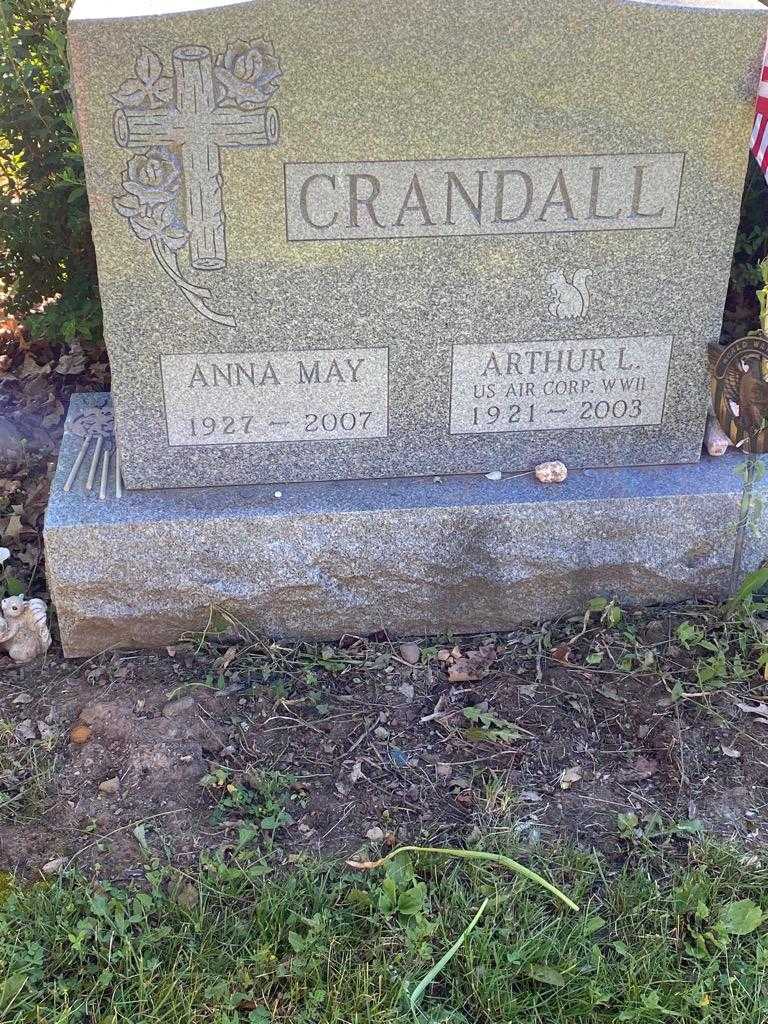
412,556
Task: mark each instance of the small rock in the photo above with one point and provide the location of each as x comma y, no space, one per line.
551,472
53,867
495,474
110,787
410,652
381,733
80,733
375,834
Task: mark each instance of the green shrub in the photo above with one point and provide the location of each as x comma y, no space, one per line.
742,311
45,234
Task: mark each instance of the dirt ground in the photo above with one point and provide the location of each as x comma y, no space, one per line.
614,731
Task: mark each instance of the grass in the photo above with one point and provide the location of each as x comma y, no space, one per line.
241,944
26,773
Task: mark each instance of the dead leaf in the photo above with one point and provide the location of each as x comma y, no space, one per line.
25,731
72,362
31,368
563,654
642,768
407,691
473,665
759,709
569,776
730,751
53,867
12,528
357,772
228,657
187,896
530,796
47,732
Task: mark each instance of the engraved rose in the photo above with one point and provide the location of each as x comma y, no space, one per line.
248,73
152,182
153,177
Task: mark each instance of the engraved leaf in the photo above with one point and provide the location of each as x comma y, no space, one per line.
131,93
148,67
144,228
168,215
149,223
163,90
175,238
126,205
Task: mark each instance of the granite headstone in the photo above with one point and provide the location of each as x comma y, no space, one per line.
343,240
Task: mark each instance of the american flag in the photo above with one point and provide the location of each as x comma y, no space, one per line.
759,141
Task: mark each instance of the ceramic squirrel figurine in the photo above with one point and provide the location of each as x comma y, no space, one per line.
24,628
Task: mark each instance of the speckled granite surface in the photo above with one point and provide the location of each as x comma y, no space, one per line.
611,156
411,556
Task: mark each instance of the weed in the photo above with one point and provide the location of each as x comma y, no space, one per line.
488,726
254,796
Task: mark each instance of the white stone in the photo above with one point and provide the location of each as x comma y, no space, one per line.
551,472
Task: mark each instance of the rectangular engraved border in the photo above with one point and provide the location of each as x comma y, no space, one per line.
540,430
683,154
253,444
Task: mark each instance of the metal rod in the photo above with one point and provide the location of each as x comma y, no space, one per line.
94,463
77,463
118,477
104,472
743,523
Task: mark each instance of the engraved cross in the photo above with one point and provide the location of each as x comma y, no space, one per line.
199,126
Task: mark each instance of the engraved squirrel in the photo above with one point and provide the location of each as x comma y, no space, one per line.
23,628
571,297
